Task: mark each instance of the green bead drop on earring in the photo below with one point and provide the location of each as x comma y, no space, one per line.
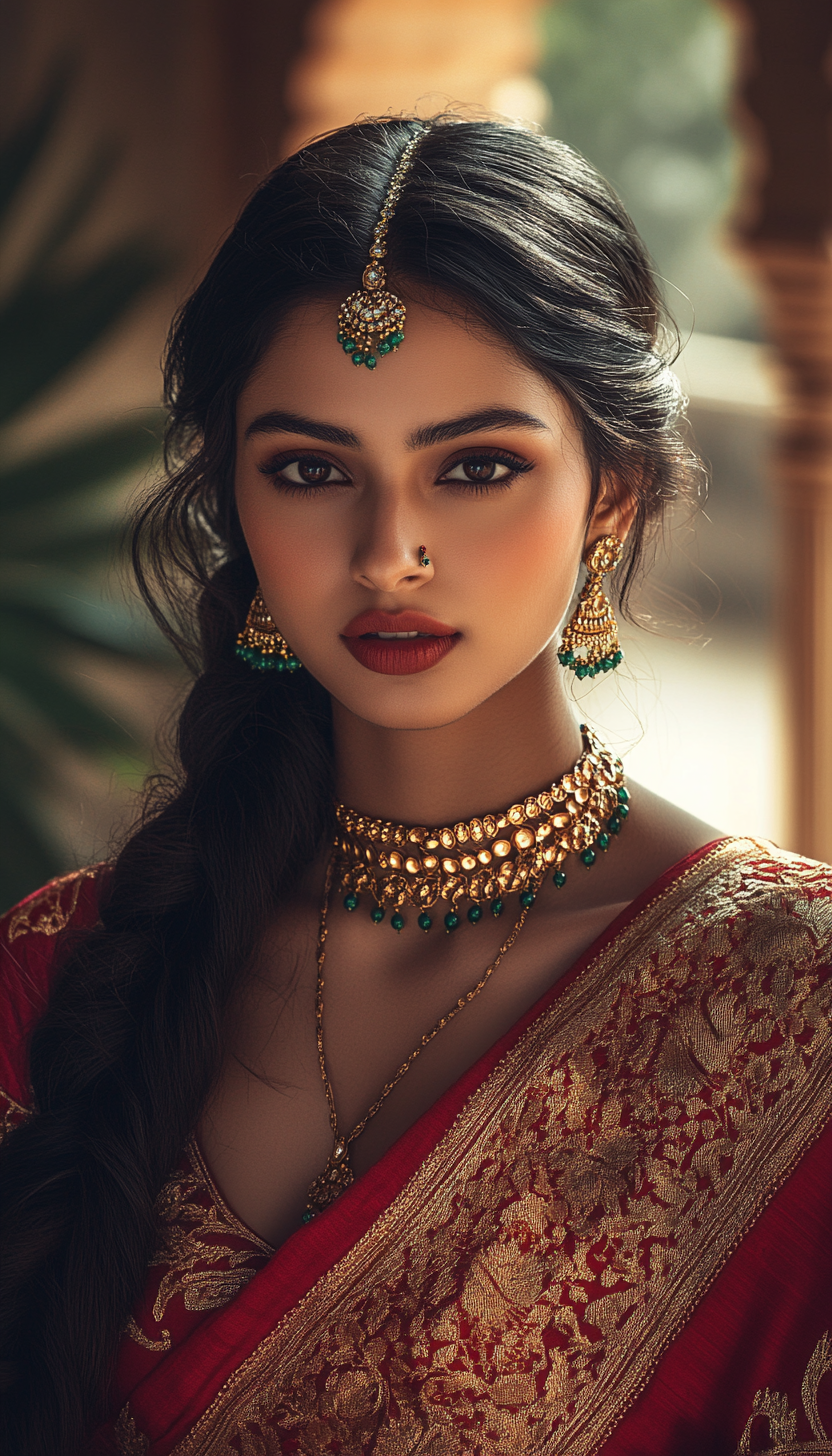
451,921
496,908
351,901
559,878
527,899
475,914
424,922
397,921
376,914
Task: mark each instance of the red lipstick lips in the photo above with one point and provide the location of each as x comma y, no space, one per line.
374,639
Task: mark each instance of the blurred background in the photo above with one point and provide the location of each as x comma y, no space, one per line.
131,134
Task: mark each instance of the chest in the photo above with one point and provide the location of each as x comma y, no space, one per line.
268,1132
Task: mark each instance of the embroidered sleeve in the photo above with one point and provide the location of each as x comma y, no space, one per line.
11,1113
50,910
28,941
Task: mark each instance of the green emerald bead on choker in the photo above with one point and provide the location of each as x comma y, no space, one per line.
399,868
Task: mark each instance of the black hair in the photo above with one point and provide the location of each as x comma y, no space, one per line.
523,234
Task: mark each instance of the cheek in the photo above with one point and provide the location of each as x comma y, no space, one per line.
296,554
521,569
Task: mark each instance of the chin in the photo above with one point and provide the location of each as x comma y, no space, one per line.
420,701
405,718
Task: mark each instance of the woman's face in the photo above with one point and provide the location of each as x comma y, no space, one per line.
343,476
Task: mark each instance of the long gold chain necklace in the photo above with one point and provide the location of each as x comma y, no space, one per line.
338,1174
569,818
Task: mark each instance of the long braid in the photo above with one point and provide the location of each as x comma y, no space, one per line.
126,1055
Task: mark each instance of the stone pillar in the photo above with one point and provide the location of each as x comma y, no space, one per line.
783,228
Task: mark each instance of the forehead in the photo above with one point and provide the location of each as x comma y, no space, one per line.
447,366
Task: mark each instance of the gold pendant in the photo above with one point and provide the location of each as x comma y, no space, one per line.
336,1177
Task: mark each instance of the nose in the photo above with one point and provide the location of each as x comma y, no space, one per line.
389,556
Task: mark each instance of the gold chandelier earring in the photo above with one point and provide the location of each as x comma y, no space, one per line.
261,645
590,640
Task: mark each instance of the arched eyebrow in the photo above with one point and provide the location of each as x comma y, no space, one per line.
275,422
496,418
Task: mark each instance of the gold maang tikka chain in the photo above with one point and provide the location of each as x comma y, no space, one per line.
371,321
545,829
484,860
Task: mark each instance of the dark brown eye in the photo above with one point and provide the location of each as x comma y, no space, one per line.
306,470
484,470
481,470
314,472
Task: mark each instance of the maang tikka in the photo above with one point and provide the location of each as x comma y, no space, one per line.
371,321
590,640
261,645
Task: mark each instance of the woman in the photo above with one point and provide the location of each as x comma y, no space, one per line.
280,1179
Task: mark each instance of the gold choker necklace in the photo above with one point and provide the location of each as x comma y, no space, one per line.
480,861
486,859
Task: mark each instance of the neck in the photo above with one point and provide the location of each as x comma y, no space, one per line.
517,742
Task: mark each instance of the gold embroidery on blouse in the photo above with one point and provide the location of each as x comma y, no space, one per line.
519,1291
48,913
195,1226
774,1407
131,1441
11,1113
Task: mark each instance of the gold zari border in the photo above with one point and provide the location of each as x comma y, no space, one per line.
48,912
518,1293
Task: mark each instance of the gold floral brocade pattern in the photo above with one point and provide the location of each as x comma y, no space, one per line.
518,1293
204,1253
773,1407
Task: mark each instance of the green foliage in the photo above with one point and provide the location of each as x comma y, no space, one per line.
59,509
640,87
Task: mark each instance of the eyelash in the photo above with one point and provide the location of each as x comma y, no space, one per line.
517,466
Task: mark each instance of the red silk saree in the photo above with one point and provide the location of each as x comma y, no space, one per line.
612,1235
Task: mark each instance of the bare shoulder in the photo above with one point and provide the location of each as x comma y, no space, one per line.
658,836
768,880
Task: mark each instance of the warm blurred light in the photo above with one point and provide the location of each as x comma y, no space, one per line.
368,57
523,98
728,374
